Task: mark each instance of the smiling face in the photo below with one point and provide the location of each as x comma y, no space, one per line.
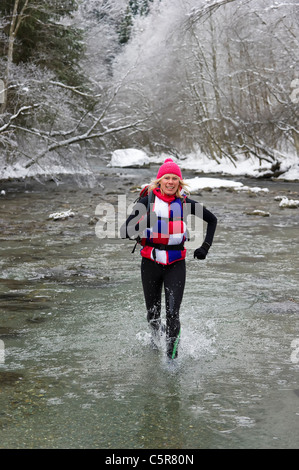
169,184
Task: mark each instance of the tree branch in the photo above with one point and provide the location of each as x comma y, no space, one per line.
86,136
15,116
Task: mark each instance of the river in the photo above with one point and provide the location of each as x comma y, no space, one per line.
78,369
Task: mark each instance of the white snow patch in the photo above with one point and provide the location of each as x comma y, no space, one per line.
292,174
19,171
254,189
288,203
242,166
129,158
62,215
198,183
199,162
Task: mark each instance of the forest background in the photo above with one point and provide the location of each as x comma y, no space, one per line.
81,78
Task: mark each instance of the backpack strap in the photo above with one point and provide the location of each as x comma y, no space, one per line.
160,246
150,199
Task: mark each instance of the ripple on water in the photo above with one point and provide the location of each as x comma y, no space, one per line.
91,360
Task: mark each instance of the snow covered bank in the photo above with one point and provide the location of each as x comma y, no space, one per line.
198,162
249,167
199,183
135,158
129,158
292,174
18,171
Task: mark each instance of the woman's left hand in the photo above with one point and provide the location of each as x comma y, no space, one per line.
201,253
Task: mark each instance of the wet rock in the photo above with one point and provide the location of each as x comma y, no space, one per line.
9,378
11,296
112,192
61,215
288,203
14,301
6,332
37,318
13,283
135,189
93,221
258,212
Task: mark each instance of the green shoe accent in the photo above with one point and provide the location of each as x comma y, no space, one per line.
176,343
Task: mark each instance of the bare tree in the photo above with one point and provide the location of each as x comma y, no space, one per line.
214,76
218,76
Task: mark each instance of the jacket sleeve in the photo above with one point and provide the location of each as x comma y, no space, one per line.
207,216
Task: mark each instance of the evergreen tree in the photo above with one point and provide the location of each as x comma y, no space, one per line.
134,8
43,35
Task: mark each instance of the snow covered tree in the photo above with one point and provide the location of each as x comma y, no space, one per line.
35,31
212,76
216,76
51,120
134,8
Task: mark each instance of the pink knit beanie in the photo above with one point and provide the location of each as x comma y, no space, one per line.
169,167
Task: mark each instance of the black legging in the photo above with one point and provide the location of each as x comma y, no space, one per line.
153,276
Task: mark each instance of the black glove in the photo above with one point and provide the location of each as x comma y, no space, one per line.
201,253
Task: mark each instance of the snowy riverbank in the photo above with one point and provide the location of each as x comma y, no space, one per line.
200,163
197,163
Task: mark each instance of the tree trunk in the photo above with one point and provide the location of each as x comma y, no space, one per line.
16,20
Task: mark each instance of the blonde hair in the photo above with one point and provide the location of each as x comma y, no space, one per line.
182,186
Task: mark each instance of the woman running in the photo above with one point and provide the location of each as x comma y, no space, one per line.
161,230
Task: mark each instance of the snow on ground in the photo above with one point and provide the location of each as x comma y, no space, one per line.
62,215
292,174
200,163
18,171
289,203
198,183
129,157
249,167
196,162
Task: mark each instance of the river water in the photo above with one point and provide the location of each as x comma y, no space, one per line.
78,369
